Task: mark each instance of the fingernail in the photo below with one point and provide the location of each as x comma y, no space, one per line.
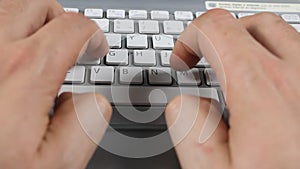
96,47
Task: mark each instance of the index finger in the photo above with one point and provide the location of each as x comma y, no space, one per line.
225,43
61,42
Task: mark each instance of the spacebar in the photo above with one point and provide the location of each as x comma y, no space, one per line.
141,95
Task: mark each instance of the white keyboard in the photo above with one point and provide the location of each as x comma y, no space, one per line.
141,43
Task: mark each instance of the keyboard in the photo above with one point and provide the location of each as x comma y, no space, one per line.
136,72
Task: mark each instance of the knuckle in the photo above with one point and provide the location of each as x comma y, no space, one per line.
23,54
213,19
78,19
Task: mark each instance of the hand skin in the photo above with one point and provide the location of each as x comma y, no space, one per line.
34,36
259,56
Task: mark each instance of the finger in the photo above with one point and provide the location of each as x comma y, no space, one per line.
225,43
192,154
283,41
21,18
75,130
61,41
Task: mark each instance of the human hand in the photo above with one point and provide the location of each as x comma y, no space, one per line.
39,42
256,60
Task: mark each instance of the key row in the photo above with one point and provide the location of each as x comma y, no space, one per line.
134,75
144,26
138,41
133,14
116,57
164,15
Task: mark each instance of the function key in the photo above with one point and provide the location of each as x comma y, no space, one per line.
183,15
240,15
160,15
74,10
199,13
138,14
93,13
291,18
115,14
296,26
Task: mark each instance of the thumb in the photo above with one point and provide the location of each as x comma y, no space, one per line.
76,128
191,151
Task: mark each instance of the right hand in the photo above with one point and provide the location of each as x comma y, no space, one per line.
259,56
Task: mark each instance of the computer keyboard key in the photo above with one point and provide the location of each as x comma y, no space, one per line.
123,26
131,75
148,27
165,56
115,14
103,24
87,60
296,26
294,18
234,15
93,13
114,40
102,74
138,14
202,63
117,57
75,75
199,13
144,57
173,27
189,77
74,10
211,78
240,15
160,15
160,76
137,41
163,41
183,15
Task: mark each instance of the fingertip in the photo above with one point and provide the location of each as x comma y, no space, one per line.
183,57
105,106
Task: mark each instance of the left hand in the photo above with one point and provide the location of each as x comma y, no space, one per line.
39,43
